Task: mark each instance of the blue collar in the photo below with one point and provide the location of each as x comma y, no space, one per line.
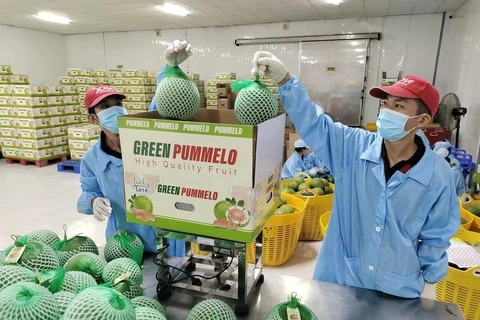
422,172
104,159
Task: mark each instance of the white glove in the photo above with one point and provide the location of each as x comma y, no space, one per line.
182,50
101,209
267,65
443,152
313,172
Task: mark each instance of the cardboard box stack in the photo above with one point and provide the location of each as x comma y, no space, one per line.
138,85
81,138
201,88
30,130
80,80
213,99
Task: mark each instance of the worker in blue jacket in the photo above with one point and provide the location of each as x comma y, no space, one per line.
442,148
296,162
101,168
395,207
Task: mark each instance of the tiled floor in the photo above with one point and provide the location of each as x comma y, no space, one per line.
41,198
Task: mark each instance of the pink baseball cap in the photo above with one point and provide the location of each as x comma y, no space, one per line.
411,87
98,93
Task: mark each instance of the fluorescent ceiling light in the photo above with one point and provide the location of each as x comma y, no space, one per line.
335,2
47,16
173,9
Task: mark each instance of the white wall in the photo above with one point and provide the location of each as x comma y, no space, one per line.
40,55
409,44
460,66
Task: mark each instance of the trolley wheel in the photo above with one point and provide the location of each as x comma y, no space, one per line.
242,310
261,280
191,267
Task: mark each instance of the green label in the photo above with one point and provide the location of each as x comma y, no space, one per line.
202,128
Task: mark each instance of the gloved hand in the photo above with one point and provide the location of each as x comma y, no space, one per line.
443,152
267,65
313,172
101,209
182,50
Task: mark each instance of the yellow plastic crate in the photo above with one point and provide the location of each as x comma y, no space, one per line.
463,287
467,202
316,207
281,233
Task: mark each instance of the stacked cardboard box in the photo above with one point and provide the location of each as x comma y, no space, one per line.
137,85
81,138
5,107
220,78
80,80
201,88
225,96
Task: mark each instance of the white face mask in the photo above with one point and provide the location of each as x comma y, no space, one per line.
391,124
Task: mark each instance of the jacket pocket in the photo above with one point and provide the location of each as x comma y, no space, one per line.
405,286
351,272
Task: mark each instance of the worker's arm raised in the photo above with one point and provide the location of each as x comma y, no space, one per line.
334,143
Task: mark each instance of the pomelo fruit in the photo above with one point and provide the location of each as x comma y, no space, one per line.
328,190
325,182
293,184
474,209
287,190
286,208
299,179
225,223
463,221
238,215
220,209
143,203
316,183
303,186
319,191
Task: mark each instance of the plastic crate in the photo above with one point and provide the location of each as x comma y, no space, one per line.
467,202
281,233
316,207
463,287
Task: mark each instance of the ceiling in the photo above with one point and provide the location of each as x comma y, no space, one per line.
120,15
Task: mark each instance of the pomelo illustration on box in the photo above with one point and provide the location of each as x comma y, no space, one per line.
215,178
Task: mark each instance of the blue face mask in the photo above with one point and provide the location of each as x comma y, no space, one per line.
108,118
391,125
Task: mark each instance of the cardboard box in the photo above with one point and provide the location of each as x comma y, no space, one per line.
183,169
56,111
60,140
9,142
84,119
212,103
211,89
99,73
6,90
32,112
137,105
114,74
5,69
19,79
225,76
12,153
224,104
55,90
81,145
82,89
84,132
36,155
193,76
211,96
72,109
223,90
8,122
60,131
134,73
59,121
211,107
72,119
118,81
135,81
77,155
6,101
36,123
30,101
138,98
79,72
61,150
135,89
7,111
8,132
34,133
93,142
66,80
35,144
5,79
69,90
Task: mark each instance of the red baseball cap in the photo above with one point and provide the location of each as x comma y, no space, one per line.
98,93
411,87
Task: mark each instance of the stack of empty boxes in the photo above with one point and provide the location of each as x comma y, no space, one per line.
221,79
81,138
137,85
201,88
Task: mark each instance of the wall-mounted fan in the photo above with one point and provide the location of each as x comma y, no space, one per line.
450,113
